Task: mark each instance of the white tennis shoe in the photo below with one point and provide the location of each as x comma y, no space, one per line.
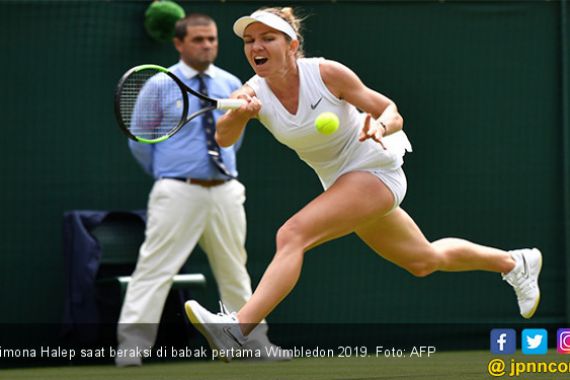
524,279
222,330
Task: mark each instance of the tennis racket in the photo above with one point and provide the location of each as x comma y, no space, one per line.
151,104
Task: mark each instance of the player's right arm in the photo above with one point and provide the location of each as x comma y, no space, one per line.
230,126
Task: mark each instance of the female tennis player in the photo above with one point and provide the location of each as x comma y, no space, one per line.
359,167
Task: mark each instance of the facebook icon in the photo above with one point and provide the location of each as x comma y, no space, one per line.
503,341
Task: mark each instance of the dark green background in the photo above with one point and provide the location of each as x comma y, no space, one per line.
483,89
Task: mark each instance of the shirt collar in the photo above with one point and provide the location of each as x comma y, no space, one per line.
189,72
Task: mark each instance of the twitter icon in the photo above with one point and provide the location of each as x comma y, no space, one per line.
534,341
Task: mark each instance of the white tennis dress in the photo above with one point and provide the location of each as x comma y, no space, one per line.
329,155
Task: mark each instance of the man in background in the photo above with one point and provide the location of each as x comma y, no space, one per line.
196,199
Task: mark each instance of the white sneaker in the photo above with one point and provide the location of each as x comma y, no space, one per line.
524,279
221,330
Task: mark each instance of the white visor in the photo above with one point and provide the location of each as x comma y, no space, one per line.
267,18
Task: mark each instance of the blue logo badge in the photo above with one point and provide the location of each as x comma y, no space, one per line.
503,341
534,341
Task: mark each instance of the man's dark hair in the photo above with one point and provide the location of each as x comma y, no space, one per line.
193,19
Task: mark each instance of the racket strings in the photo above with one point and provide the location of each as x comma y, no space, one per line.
151,104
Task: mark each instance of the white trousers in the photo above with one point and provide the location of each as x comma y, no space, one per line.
181,215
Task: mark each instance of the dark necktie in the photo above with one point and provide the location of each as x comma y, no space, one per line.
210,130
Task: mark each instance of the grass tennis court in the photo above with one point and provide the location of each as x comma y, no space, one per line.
464,365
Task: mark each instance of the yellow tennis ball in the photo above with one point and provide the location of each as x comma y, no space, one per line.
326,123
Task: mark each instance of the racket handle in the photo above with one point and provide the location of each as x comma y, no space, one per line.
230,104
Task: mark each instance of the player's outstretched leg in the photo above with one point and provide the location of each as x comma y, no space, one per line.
524,279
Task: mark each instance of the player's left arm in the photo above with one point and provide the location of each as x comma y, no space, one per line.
345,84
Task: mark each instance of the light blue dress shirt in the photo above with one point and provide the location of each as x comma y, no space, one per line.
185,154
